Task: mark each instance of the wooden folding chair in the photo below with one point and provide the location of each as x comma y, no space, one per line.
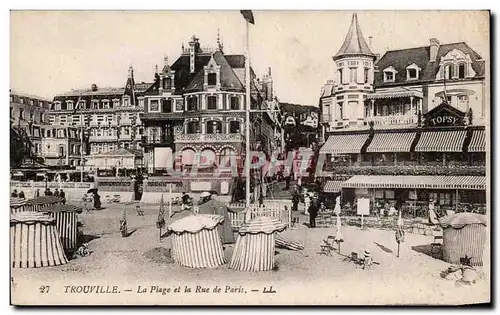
327,246
437,243
140,212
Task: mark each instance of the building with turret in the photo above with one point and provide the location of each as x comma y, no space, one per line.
405,128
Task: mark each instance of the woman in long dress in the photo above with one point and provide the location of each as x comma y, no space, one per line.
209,206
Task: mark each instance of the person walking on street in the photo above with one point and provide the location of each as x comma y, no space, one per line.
56,192
313,213
21,194
14,193
37,193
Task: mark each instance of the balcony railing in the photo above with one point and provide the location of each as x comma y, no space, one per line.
164,139
394,120
215,137
103,138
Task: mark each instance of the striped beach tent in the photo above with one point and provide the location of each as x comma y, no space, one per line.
254,250
18,205
464,234
66,223
34,241
196,242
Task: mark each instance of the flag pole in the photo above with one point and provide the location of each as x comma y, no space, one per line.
247,116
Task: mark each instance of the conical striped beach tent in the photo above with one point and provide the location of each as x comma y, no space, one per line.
18,205
34,241
66,223
464,234
196,242
254,250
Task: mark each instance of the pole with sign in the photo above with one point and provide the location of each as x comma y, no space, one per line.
363,209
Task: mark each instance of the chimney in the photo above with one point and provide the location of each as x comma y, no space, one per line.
193,49
370,39
434,47
269,72
94,87
130,72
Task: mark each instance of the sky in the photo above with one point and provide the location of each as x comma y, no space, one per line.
55,51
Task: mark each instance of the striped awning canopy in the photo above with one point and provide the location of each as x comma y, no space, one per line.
392,142
478,141
265,225
441,141
416,182
17,202
333,186
394,93
344,144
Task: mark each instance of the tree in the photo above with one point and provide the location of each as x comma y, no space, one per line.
20,146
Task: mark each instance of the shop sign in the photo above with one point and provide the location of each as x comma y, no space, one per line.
445,120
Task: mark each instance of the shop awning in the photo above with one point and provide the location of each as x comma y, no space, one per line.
416,182
478,141
344,144
392,142
441,141
333,186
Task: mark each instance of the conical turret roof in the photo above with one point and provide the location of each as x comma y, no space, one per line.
354,43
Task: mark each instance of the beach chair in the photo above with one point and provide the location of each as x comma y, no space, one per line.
437,243
327,246
140,212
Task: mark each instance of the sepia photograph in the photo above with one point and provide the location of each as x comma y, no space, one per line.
250,157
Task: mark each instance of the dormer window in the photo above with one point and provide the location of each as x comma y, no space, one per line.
212,79
126,101
105,104
69,105
412,72
95,104
448,71
461,70
167,83
389,74
57,105
141,102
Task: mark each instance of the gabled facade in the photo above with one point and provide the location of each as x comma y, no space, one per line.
196,109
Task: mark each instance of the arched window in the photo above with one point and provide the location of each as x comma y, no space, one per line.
207,157
234,126
192,127
448,71
61,150
461,71
213,126
227,157
188,157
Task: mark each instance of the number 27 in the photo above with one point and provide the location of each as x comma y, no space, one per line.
44,289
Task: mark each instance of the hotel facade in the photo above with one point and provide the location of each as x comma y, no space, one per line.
405,128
